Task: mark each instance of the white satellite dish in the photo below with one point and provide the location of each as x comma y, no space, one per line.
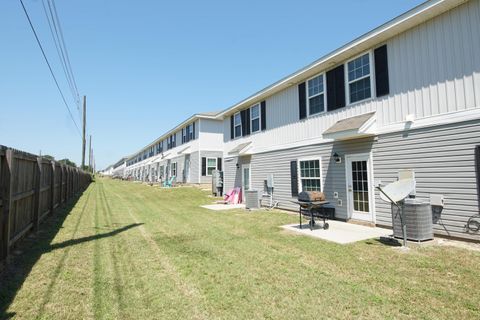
397,190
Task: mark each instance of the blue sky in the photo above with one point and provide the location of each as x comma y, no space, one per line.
145,66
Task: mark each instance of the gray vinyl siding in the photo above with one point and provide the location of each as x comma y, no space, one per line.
232,175
444,162
209,154
333,174
229,173
180,166
441,156
194,167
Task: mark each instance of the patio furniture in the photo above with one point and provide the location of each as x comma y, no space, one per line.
169,182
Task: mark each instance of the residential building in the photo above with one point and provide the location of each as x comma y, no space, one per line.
187,154
404,96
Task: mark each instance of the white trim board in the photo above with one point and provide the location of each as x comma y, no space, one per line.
432,121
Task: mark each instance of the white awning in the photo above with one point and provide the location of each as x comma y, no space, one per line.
163,157
186,150
241,149
353,127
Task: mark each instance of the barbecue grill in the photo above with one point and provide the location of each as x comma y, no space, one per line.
311,206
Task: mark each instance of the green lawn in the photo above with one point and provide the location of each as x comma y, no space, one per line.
130,251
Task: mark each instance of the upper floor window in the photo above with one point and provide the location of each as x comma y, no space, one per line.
191,131
316,95
237,124
359,78
255,118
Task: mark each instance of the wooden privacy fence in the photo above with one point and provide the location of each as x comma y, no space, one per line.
31,187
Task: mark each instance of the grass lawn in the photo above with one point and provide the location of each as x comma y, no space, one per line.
130,251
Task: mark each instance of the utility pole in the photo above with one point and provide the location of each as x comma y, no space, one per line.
84,141
90,153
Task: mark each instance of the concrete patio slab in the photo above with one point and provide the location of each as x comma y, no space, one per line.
340,232
221,206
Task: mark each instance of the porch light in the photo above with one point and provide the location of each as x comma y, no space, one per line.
337,158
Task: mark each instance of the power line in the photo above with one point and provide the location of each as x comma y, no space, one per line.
59,41
49,67
59,52
65,47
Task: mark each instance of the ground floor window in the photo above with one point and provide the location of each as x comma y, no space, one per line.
211,165
161,172
309,175
174,169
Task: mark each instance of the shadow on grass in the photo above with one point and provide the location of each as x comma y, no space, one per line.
34,245
72,242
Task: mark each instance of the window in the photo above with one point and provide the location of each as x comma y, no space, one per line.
184,135
359,80
174,169
190,132
316,95
237,124
255,118
161,172
310,177
211,165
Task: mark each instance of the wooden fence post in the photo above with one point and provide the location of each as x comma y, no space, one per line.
36,197
52,188
61,185
7,202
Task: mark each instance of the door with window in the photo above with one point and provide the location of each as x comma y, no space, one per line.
246,181
359,187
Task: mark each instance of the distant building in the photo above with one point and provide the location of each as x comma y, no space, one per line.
186,154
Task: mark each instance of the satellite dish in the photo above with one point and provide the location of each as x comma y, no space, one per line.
397,190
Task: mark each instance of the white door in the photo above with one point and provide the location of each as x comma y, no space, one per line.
246,183
359,187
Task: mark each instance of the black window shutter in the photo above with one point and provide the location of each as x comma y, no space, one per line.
381,71
219,164
247,113
204,166
193,129
231,128
302,100
294,178
263,115
336,88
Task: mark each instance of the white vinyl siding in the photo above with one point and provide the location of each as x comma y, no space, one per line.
316,95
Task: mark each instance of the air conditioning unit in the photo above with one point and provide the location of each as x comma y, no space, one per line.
217,182
418,220
252,199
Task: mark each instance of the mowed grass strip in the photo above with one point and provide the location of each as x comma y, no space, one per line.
129,251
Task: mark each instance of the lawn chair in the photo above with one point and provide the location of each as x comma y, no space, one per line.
169,182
